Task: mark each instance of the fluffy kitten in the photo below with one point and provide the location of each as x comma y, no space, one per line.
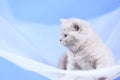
85,51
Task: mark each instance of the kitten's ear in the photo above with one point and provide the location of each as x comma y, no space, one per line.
63,20
76,27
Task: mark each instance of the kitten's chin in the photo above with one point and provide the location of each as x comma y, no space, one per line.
66,45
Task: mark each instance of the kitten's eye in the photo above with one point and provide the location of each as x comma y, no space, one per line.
65,35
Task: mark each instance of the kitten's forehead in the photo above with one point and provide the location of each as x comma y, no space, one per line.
74,20
66,26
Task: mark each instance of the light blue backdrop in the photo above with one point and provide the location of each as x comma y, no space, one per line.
48,12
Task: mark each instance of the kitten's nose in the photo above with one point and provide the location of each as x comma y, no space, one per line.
60,39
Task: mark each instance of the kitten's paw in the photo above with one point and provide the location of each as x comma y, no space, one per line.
102,78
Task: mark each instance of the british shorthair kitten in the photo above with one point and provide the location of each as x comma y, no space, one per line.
85,51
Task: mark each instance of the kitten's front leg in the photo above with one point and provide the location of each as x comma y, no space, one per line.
70,66
101,64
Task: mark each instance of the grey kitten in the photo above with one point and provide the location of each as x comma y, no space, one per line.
85,51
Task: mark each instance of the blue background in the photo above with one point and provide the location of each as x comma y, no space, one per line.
49,12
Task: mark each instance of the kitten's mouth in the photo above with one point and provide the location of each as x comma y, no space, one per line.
64,44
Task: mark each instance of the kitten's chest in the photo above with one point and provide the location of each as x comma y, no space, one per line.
82,62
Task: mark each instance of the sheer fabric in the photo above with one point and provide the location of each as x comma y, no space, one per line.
35,44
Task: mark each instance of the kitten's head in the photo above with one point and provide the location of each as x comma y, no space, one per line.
70,30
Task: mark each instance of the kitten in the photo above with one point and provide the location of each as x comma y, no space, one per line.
85,51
